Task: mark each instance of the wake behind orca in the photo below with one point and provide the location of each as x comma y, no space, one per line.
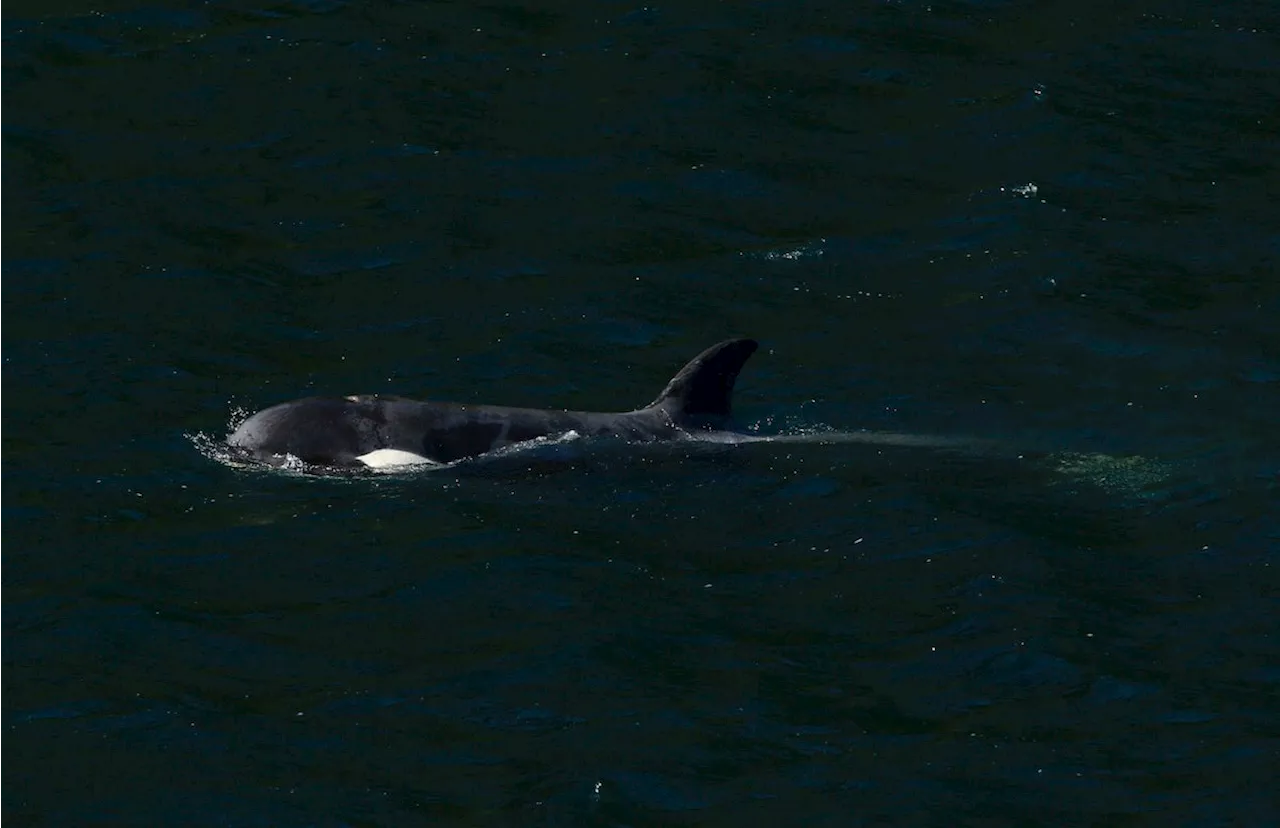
377,431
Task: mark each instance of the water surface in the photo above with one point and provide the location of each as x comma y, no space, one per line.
1039,226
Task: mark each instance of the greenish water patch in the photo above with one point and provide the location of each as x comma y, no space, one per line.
1128,475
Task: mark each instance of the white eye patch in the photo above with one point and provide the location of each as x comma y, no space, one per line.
390,458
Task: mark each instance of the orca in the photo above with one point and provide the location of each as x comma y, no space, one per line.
378,431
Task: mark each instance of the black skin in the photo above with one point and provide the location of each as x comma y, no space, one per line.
335,431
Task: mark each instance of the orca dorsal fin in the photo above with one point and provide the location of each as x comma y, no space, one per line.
701,394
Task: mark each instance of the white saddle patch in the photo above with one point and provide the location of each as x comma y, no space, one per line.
390,458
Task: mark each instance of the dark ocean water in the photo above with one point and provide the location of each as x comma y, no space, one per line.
1047,225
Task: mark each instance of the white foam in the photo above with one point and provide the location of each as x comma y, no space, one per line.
393,458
